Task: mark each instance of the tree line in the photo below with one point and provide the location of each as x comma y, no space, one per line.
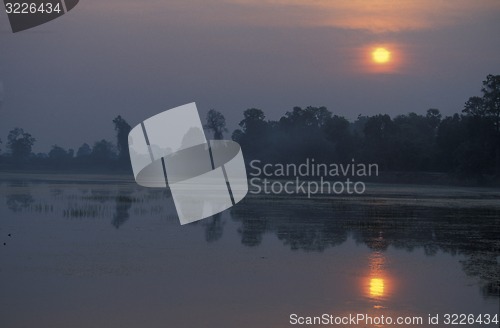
466,144
102,155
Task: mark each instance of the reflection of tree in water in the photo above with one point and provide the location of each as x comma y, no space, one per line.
253,224
214,227
100,195
22,200
314,225
19,202
485,266
88,202
123,204
56,192
287,221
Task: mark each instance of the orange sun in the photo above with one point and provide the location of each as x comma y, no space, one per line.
380,58
381,55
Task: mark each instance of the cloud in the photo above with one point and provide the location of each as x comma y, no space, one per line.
376,16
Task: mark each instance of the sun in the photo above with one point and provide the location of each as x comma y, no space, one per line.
380,58
381,55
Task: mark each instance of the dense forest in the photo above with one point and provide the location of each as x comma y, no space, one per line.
466,144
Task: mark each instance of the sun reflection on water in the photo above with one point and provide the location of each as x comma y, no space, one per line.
376,287
377,283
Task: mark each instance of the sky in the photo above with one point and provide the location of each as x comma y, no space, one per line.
66,80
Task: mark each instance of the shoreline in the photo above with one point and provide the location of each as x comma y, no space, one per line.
126,176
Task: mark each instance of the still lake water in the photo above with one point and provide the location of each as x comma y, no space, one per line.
100,251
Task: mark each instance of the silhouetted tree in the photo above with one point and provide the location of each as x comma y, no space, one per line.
433,118
216,122
84,150
238,135
253,134
380,141
491,98
451,134
122,129
253,120
307,117
20,144
103,153
482,146
59,157
415,141
475,107
304,135
337,130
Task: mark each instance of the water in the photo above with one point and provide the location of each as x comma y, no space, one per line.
100,251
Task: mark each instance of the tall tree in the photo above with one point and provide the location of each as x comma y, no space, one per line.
433,116
484,116
216,122
20,144
122,129
491,98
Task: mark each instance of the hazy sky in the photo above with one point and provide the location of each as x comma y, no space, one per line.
66,80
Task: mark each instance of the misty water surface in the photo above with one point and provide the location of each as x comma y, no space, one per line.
100,251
